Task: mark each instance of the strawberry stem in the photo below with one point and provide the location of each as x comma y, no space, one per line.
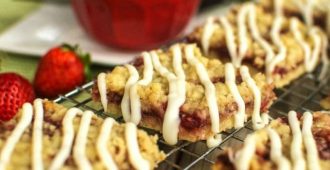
83,56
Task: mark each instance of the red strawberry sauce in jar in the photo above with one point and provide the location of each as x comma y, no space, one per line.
134,24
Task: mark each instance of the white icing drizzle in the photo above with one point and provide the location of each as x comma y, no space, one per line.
208,30
276,150
230,80
308,12
230,38
125,103
275,36
317,41
296,145
148,69
102,86
256,119
79,148
101,144
210,94
131,104
214,141
278,7
325,59
260,40
13,139
134,153
243,157
176,96
160,68
68,136
265,118
37,162
242,35
310,145
302,43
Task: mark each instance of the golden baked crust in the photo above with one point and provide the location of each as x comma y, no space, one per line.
285,71
261,158
325,103
52,138
195,120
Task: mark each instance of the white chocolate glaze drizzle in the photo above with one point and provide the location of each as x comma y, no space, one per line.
125,103
230,38
37,162
325,59
303,44
210,94
132,87
148,69
276,38
208,30
256,118
176,98
317,41
134,153
230,81
309,142
297,144
255,33
242,35
8,148
276,150
278,8
243,157
68,136
80,142
101,144
102,87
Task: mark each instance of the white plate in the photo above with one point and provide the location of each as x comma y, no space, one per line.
53,24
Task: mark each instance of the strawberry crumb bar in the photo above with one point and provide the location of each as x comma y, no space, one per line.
311,12
184,95
296,142
46,135
284,48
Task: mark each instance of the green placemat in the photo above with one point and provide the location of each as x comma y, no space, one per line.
11,12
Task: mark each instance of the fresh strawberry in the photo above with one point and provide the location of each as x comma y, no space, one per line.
14,92
62,69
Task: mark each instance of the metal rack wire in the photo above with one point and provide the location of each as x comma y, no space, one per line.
302,95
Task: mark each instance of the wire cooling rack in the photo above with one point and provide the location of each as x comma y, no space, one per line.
302,95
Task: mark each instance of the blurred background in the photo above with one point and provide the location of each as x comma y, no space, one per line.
29,28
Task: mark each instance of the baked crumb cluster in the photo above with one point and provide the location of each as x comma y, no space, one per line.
292,150
52,138
266,38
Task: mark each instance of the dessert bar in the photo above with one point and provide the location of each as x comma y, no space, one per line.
296,142
184,95
46,135
284,48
